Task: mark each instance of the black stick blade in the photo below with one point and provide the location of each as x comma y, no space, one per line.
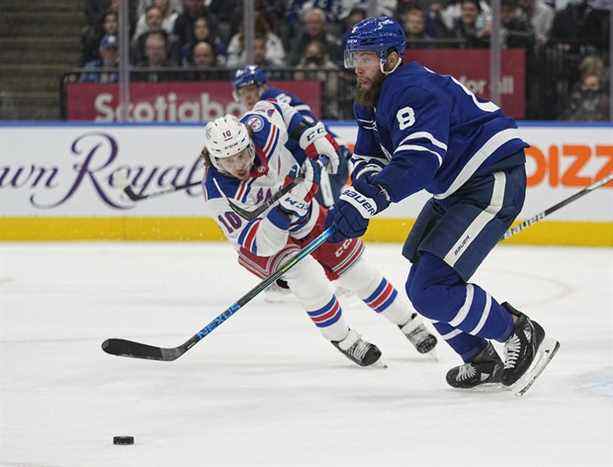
244,213
125,348
250,215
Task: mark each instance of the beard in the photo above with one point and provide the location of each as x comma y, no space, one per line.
369,97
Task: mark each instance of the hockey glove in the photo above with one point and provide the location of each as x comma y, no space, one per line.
316,141
297,202
354,208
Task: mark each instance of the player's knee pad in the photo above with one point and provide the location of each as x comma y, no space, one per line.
429,287
361,278
308,282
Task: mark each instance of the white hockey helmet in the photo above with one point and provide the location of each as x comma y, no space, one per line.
225,137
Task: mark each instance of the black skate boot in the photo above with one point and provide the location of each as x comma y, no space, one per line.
357,349
418,335
485,368
522,347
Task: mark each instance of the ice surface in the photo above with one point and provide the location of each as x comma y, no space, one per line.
265,388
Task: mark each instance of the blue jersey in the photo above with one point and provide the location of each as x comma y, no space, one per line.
290,99
433,133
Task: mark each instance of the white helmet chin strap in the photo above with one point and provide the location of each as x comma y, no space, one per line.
382,65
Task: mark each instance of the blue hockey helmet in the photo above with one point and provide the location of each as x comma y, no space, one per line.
249,75
380,35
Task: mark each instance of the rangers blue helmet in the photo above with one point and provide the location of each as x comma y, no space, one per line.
380,35
249,75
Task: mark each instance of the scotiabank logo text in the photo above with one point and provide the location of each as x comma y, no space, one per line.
165,108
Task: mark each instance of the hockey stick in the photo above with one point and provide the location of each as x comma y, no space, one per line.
139,197
541,215
255,213
250,215
126,348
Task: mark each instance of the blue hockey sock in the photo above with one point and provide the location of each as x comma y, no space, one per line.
439,293
465,345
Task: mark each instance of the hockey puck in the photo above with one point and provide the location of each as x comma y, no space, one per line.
123,439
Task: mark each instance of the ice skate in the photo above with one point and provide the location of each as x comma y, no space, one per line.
527,352
418,335
278,292
484,369
358,350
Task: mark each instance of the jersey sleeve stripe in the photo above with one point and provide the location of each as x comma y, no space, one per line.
413,147
302,107
428,136
241,190
246,190
249,236
478,158
271,143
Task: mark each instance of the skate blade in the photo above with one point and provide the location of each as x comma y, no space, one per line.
379,364
431,356
546,352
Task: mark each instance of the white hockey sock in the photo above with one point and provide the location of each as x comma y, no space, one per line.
310,285
376,291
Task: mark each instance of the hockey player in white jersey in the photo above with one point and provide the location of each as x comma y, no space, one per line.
246,161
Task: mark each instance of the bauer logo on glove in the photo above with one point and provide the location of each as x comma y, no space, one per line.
365,205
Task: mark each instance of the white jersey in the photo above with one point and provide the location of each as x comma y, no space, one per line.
270,122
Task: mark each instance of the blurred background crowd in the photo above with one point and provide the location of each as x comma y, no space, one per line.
566,43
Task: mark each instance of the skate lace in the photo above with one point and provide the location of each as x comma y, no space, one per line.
466,371
511,351
359,349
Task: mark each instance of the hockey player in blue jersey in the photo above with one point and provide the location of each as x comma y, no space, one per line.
421,130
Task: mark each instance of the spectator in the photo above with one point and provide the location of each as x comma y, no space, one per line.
173,6
453,12
96,9
315,57
184,24
205,63
109,56
344,7
435,24
204,55
156,56
589,99
414,23
314,30
580,24
403,6
540,15
153,19
275,52
517,33
202,33
260,53
229,17
354,17
467,28
90,40
166,20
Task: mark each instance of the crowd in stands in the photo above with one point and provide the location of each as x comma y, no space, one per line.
206,36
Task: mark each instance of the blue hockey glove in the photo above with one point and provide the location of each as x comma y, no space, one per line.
354,208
